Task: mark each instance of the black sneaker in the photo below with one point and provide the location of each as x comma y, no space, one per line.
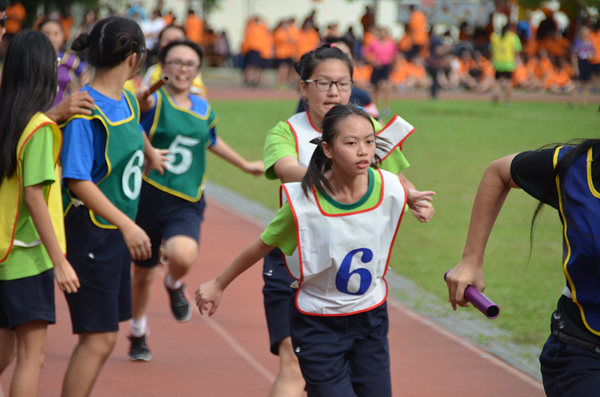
180,307
138,351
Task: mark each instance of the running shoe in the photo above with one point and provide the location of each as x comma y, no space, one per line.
180,307
138,350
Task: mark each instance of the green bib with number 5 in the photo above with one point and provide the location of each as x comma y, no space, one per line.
124,154
186,134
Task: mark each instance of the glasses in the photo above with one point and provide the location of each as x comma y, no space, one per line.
177,64
3,21
325,85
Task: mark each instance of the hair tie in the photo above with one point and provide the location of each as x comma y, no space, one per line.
332,45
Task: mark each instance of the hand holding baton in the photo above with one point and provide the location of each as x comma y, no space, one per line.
164,79
480,301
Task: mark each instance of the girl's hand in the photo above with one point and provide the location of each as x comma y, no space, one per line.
77,103
146,101
463,275
65,277
156,159
425,212
419,201
210,292
137,241
256,168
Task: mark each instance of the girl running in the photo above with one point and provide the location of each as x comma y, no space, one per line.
172,205
103,156
287,153
341,211
32,241
568,179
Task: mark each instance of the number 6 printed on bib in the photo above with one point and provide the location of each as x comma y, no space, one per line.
133,169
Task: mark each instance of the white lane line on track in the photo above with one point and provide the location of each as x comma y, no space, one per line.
477,350
243,353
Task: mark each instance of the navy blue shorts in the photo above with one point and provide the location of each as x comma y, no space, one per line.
27,299
163,216
343,356
506,75
277,296
585,70
380,73
103,264
595,68
568,371
253,58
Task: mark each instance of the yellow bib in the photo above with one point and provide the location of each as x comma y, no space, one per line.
11,188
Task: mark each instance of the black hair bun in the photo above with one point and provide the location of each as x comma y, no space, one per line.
81,42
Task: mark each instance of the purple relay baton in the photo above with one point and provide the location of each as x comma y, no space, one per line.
480,301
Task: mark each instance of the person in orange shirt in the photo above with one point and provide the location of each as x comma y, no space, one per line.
362,74
524,75
257,48
543,66
16,16
194,27
561,78
595,61
66,21
417,75
169,18
418,29
285,47
308,39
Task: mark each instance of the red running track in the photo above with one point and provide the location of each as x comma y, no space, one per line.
228,354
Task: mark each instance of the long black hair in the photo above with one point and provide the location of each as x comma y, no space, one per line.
110,42
319,162
29,81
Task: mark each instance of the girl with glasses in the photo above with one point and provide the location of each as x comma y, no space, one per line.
172,204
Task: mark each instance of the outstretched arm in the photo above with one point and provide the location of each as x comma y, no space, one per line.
492,192
212,291
223,150
425,210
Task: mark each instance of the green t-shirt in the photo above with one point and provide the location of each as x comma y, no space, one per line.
281,232
280,143
504,49
38,167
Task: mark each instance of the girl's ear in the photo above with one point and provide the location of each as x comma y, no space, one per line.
327,150
303,87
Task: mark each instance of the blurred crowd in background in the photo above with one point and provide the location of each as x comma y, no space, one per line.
426,56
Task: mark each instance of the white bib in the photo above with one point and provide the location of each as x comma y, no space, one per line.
341,260
396,132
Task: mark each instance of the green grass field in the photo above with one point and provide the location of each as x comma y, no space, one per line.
453,143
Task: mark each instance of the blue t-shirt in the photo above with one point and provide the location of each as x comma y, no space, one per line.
199,106
84,140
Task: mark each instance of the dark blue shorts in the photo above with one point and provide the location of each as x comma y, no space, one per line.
380,73
27,299
253,58
568,371
505,75
343,356
277,296
163,216
103,264
595,68
585,70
